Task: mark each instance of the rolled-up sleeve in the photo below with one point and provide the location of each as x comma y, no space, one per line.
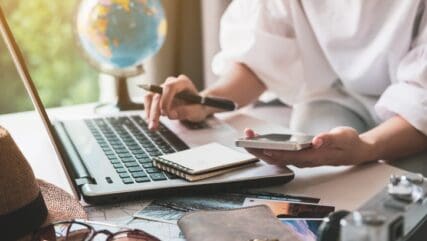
260,35
408,96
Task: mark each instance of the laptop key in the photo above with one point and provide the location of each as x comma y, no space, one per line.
152,170
139,174
144,160
167,151
120,170
139,156
127,180
171,176
135,169
142,179
115,142
124,175
106,149
117,165
125,155
121,151
115,161
133,148
131,164
103,144
112,156
128,159
118,146
147,164
158,176
138,152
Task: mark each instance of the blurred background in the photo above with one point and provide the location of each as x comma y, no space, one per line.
44,31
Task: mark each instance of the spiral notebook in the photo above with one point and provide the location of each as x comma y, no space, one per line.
204,161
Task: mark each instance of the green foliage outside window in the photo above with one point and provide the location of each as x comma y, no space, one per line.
44,31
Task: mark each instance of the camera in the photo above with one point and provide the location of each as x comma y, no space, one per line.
371,225
396,213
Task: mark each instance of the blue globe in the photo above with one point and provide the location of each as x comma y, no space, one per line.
120,34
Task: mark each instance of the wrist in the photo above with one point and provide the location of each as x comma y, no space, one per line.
370,148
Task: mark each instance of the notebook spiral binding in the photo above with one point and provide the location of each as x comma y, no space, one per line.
172,164
171,167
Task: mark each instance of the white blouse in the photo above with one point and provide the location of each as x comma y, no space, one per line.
301,48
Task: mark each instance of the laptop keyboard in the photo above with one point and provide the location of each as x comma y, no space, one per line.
129,145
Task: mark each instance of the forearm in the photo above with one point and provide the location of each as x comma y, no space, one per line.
240,85
393,139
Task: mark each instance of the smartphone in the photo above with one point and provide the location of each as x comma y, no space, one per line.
306,228
287,209
285,142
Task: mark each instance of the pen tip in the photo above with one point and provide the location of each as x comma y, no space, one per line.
144,86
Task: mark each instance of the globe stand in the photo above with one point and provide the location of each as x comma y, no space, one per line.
123,101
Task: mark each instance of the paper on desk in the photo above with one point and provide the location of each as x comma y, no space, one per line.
169,210
122,214
163,231
119,214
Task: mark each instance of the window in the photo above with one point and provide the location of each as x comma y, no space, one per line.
44,31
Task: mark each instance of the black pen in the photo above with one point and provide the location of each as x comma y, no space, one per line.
195,99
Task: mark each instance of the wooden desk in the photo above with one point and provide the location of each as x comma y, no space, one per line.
343,187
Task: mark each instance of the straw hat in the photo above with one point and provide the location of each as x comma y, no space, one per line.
26,203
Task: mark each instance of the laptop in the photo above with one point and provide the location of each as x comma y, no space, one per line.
108,158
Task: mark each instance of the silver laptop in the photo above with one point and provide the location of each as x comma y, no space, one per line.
108,159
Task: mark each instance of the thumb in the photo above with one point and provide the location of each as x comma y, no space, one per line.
249,133
189,112
333,137
323,139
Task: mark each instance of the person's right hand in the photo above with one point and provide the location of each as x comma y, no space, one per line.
175,109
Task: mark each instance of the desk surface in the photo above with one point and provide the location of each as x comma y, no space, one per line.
343,187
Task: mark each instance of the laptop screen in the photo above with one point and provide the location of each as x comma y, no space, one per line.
21,66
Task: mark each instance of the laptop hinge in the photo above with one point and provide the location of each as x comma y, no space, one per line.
83,180
75,166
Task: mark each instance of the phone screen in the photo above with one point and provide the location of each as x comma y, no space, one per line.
284,138
306,229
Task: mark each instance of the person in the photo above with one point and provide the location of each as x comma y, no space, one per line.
355,73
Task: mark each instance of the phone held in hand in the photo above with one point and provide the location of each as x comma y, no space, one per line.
285,142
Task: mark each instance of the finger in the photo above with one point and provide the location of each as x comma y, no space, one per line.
173,115
334,137
306,163
321,139
249,133
147,105
191,113
154,112
173,86
291,156
168,94
298,159
259,153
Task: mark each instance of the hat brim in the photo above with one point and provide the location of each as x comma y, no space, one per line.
61,205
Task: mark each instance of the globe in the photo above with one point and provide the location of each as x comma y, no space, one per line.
119,35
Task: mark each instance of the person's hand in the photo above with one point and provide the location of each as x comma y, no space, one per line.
340,146
166,105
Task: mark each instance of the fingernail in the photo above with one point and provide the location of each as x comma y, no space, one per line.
150,126
267,153
318,143
173,114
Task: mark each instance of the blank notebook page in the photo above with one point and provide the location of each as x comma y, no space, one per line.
209,157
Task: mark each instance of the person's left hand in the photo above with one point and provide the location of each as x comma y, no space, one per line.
340,146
